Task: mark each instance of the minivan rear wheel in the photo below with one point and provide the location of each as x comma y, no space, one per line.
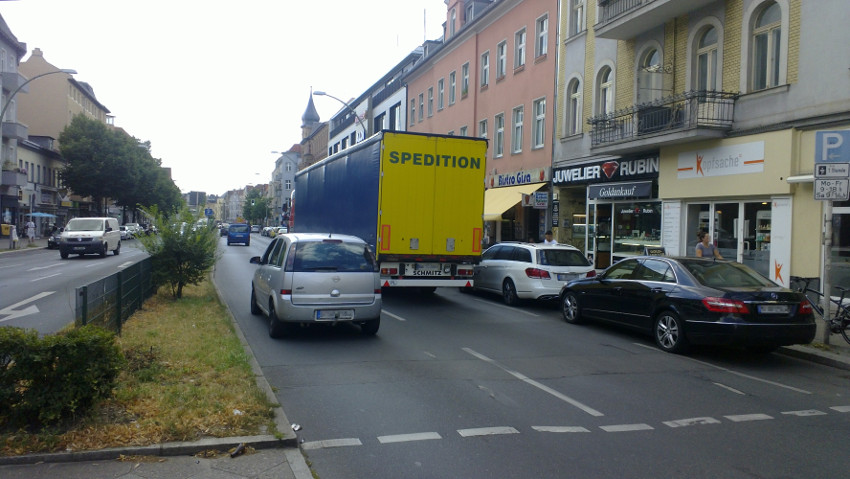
370,328
277,328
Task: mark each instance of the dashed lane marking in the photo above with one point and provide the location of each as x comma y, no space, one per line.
694,421
329,443
515,310
45,277
626,427
841,408
748,417
487,431
542,387
805,413
754,378
419,436
560,429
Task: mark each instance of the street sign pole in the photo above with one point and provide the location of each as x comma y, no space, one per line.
827,266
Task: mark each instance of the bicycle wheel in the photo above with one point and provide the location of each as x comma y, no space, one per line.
844,324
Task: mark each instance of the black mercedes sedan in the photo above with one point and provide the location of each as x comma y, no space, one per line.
683,301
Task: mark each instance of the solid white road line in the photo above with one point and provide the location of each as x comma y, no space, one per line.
748,417
328,443
754,378
730,388
487,431
542,387
626,427
384,311
419,436
496,305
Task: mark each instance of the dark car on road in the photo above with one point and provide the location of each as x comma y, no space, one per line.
239,233
53,239
683,301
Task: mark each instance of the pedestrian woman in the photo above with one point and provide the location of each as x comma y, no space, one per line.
704,248
30,231
13,237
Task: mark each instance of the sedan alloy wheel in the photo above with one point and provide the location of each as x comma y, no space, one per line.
668,333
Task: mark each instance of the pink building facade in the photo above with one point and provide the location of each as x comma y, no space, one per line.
493,77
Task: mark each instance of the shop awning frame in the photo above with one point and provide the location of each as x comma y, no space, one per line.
499,200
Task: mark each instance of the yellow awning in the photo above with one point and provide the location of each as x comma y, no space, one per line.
499,200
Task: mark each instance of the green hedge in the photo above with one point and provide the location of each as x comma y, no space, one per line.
46,379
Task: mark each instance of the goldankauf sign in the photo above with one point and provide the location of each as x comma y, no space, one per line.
622,169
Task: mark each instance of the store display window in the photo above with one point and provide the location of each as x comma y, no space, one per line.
636,226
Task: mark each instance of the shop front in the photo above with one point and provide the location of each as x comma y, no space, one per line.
515,206
610,208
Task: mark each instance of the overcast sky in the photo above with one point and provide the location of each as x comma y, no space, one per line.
216,86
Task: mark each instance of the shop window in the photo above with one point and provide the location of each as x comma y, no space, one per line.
636,226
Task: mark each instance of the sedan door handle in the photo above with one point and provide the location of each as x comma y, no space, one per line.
657,290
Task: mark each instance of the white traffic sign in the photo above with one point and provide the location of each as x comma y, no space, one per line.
836,189
832,170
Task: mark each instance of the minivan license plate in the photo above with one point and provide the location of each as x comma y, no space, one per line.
773,309
334,314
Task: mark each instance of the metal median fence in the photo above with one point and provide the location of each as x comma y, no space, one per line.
110,301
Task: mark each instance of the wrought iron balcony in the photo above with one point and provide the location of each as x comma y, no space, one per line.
625,19
677,118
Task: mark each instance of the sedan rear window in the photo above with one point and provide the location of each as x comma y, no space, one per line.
312,256
561,257
725,275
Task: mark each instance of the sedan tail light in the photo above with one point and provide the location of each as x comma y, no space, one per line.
805,307
723,305
537,273
591,274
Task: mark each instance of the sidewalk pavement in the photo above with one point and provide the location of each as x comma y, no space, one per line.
23,244
264,456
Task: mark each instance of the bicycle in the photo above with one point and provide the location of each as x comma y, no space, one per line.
839,323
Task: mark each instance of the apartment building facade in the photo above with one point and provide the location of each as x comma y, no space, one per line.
13,177
676,117
493,77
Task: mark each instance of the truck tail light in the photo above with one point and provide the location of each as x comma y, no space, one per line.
537,273
464,272
723,305
389,271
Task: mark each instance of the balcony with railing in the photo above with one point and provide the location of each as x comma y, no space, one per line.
625,19
680,118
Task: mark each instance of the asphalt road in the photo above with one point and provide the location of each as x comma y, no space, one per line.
459,385
38,288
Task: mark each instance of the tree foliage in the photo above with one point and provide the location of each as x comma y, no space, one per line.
256,207
108,163
183,251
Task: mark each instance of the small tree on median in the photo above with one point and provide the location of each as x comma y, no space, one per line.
183,252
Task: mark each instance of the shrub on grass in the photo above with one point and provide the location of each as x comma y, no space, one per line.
46,379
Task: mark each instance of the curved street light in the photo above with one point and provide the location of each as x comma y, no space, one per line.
352,110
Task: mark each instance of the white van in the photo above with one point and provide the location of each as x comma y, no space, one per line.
90,236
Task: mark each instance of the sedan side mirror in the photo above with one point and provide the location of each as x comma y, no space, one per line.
256,260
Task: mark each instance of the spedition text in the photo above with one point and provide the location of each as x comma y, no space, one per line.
428,159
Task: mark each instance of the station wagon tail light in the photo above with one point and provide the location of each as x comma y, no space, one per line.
389,271
805,307
537,273
591,274
723,305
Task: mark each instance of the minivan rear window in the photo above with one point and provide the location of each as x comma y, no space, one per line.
240,229
316,256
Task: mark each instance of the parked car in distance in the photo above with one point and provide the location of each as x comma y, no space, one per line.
90,235
239,233
53,239
265,231
255,228
125,233
133,228
222,228
312,278
684,300
281,230
529,270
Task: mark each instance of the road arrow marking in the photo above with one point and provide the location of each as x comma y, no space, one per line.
12,313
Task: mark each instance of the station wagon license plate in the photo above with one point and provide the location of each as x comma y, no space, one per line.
566,277
774,308
334,314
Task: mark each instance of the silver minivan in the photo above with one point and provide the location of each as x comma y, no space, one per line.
90,236
312,278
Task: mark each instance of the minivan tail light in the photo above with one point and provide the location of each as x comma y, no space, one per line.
537,273
805,307
724,305
286,292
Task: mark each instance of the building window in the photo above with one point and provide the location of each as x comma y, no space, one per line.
470,12
541,45
451,133
499,143
464,80
421,106
573,107
650,77
767,35
707,61
516,131
412,112
452,22
379,124
485,69
464,130
441,90
289,165
288,184
605,91
539,128
519,48
482,129
501,59
452,85
395,116
577,21
430,101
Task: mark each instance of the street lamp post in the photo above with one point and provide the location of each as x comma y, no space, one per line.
352,110
9,102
